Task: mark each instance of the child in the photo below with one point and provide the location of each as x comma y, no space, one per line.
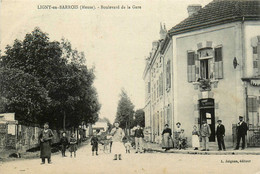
73,145
127,146
94,143
195,138
64,143
182,140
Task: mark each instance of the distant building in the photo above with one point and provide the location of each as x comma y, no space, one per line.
210,70
102,126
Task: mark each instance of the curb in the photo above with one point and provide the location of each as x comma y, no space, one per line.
193,152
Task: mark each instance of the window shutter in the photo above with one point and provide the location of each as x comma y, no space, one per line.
220,69
218,65
258,57
169,72
252,104
197,67
191,68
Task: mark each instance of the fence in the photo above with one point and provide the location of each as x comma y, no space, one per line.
22,138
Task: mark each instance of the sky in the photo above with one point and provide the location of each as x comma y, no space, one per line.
115,41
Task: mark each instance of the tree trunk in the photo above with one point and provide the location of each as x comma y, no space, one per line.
64,120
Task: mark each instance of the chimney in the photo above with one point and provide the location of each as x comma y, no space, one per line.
193,9
163,31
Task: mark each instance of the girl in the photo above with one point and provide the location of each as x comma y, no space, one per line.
195,138
73,145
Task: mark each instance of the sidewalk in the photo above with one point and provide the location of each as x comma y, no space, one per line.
153,147
4,153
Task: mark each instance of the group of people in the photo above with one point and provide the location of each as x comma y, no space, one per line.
118,147
45,139
202,135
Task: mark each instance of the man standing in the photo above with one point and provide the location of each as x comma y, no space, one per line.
117,138
205,134
241,133
138,139
45,138
220,133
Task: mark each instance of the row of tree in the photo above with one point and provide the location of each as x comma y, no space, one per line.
126,115
43,80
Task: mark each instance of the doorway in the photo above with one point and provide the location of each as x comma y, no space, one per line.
207,112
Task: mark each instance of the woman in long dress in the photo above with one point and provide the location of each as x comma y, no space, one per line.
167,142
195,138
117,137
45,138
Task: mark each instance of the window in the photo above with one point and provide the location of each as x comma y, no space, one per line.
253,111
191,67
161,84
168,75
256,59
218,63
204,69
149,87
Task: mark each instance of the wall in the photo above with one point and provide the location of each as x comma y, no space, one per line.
229,93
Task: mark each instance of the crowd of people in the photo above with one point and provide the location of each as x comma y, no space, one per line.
119,145
202,135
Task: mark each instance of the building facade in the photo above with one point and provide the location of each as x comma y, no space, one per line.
215,67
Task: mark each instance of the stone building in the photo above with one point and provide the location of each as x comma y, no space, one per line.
214,68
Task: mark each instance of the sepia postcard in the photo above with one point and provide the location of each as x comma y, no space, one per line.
130,86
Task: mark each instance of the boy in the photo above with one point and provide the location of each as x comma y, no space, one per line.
94,143
182,140
64,143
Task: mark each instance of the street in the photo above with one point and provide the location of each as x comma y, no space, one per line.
147,163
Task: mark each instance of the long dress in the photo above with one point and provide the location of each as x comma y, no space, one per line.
167,142
45,138
195,139
117,146
73,144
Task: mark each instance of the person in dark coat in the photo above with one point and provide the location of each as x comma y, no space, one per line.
241,133
64,143
167,142
139,135
220,133
45,138
94,143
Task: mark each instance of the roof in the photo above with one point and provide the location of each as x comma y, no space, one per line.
219,12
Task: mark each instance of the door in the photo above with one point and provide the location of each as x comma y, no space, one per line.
207,112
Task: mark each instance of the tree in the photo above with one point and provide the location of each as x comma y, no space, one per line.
22,93
58,73
139,117
125,110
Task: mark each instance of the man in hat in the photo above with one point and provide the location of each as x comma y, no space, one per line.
220,133
117,138
241,133
205,134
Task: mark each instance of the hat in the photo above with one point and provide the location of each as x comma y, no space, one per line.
178,123
241,117
166,125
219,121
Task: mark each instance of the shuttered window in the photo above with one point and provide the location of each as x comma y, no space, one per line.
168,75
256,60
191,69
252,104
253,111
218,63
